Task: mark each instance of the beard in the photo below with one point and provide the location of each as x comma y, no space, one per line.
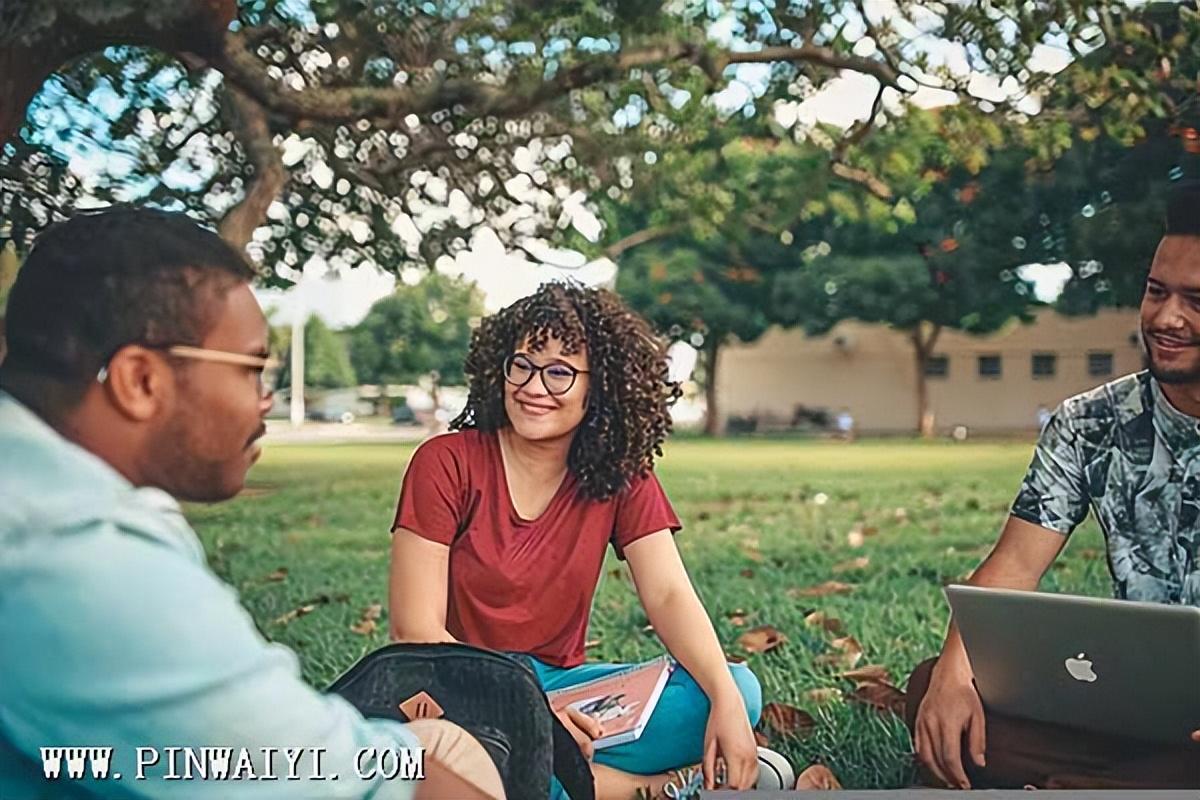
1173,376
186,472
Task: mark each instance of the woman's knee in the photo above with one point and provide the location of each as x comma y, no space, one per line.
751,690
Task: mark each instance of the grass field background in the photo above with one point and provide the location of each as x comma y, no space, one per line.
763,522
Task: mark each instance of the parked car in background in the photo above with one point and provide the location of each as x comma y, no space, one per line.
331,413
402,413
337,405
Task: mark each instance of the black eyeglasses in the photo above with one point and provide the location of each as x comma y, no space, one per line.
558,378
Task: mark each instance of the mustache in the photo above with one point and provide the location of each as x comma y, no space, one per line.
1173,338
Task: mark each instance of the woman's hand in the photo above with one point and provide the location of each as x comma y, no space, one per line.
583,729
728,737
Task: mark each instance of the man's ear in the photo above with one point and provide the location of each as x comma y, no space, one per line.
138,383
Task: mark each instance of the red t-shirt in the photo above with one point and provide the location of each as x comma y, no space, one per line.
515,584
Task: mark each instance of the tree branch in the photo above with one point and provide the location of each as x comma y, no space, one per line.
244,69
823,56
860,176
643,236
860,129
873,32
253,132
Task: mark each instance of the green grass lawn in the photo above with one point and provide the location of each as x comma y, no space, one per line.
762,519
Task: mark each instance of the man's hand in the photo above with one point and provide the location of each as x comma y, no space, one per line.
583,729
951,708
1196,736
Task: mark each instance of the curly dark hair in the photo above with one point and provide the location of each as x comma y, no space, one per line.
628,413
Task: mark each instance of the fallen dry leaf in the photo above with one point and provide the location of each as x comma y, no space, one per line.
737,620
747,573
750,549
871,673
822,696
278,575
848,644
855,563
850,651
817,619
306,607
762,639
591,643
855,539
882,696
901,515
364,627
787,720
295,613
649,628
762,739
733,658
818,776
822,589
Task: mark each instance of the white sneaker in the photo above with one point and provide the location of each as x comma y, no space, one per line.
774,771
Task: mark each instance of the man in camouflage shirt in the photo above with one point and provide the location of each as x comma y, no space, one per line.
1130,452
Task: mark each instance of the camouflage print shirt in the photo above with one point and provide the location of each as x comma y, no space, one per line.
1124,451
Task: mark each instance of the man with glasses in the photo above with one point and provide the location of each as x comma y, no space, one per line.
133,379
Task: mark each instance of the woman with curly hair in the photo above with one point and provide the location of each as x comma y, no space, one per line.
502,528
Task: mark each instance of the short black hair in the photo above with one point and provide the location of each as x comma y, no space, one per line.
104,279
1183,209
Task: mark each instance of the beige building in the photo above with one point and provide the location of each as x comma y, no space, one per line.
991,384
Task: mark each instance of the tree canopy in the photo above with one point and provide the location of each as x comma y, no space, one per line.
365,129
326,359
416,332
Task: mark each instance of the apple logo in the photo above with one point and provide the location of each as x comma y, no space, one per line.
1080,668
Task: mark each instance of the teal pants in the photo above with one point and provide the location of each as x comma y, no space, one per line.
674,736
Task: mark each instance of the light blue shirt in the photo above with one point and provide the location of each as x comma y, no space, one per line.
115,633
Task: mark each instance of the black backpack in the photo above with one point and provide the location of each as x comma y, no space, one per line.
497,699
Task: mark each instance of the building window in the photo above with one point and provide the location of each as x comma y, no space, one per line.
1045,365
1100,365
937,367
989,367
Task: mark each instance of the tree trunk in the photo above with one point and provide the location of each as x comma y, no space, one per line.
924,424
435,380
8,276
712,419
923,342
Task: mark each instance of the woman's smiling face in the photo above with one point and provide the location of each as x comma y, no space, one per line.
545,391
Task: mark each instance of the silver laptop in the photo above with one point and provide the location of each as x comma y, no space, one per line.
1111,666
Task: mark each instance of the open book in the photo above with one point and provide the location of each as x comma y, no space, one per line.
621,702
